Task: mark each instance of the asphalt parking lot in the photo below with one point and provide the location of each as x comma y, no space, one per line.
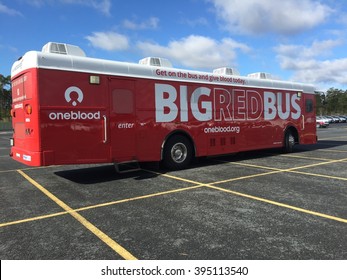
254,205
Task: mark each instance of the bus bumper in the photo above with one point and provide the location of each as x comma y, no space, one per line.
26,157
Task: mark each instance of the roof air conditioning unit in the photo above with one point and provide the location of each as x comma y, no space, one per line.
155,61
60,48
226,71
260,75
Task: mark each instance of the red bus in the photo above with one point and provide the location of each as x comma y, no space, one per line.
71,109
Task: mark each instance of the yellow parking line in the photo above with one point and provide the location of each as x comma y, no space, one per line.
278,170
289,169
16,222
317,164
283,170
250,165
279,204
101,235
319,175
305,157
28,168
196,184
94,206
332,150
8,171
245,177
137,198
174,177
330,138
211,186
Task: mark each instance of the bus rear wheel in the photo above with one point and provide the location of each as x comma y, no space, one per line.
289,141
178,152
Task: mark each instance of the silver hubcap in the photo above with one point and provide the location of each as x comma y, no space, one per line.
179,152
291,140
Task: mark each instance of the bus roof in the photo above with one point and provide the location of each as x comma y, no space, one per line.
80,63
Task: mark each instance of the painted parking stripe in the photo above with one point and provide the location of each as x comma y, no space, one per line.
36,218
101,235
288,169
28,168
331,138
319,175
283,205
94,206
197,185
333,150
305,157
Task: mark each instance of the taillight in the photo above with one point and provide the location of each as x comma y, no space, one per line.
13,113
28,109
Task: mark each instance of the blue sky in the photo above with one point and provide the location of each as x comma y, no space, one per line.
299,40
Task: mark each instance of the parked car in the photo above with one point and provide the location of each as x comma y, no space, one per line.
330,118
339,119
343,119
322,122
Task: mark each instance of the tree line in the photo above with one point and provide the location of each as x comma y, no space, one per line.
331,102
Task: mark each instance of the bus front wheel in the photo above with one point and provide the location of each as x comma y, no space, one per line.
178,152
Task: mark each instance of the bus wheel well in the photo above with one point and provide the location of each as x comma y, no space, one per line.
294,132
178,132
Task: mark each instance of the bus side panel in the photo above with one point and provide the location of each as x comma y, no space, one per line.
73,118
235,118
70,122
152,132
149,134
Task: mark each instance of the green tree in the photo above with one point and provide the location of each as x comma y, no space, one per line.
321,103
5,96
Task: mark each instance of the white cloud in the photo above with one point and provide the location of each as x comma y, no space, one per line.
197,51
103,6
201,21
318,48
8,11
322,72
310,64
151,23
110,41
284,17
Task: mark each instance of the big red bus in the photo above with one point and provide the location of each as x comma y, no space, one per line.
71,109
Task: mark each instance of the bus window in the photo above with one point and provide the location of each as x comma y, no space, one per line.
309,105
122,101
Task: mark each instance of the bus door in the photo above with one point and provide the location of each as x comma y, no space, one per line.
308,119
122,119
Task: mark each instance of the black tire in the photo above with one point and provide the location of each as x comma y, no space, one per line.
289,142
178,152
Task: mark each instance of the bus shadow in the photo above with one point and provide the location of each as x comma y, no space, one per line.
255,154
107,173
101,174
321,145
